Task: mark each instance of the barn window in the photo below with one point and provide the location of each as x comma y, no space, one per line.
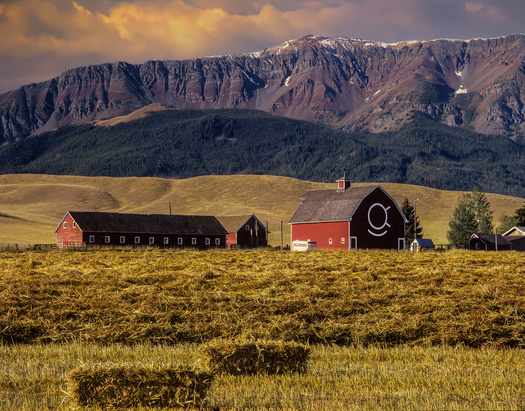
166,240
65,224
329,241
193,241
122,239
217,241
207,241
179,241
137,240
74,224
342,240
247,228
151,240
107,239
91,238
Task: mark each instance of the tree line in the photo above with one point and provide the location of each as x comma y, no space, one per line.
188,143
473,215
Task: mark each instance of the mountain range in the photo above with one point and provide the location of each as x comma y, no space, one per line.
352,84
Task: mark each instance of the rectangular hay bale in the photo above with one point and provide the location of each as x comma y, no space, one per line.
254,357
124,386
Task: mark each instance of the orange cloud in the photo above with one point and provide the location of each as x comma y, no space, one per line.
473,7
488,12
142,30
61,33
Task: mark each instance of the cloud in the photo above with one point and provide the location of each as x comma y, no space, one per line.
489,12
473,7
50,36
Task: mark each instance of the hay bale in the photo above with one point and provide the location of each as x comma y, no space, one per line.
253,357
124,386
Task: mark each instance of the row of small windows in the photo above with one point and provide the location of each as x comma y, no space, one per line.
151,240
65,224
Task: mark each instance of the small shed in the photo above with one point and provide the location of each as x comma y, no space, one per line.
96,229
349,218
489,242
420,244
244,231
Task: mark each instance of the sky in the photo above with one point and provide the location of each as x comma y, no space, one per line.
40,39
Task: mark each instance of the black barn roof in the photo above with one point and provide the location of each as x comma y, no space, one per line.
146,223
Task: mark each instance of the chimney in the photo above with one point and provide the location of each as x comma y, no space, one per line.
343,183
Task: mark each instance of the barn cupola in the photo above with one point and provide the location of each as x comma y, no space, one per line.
343,183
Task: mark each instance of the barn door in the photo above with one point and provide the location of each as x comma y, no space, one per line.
400,244
353,243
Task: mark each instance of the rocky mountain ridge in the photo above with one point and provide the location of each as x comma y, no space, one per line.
479,84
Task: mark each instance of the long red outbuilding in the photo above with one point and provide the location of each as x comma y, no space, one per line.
97,229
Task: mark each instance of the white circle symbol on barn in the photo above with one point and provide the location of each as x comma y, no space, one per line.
377,229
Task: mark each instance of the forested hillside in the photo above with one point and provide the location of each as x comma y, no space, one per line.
187,143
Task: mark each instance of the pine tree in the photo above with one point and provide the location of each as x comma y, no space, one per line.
463,223
482,212
472,215
408,210
520,217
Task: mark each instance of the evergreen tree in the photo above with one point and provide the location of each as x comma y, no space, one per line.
472,215
520,217
482,211
408,210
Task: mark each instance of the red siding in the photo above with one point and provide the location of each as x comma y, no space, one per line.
231,240
376,223
68,234
321,234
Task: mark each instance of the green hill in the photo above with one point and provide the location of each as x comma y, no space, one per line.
31,206
188,143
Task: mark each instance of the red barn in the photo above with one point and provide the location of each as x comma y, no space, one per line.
244,231
93,229
349,218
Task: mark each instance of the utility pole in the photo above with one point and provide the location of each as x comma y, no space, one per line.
281,235
415,218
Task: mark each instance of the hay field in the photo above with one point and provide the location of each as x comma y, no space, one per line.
31,206
386,330
358,298
34,377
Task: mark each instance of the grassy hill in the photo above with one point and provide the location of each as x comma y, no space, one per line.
31,206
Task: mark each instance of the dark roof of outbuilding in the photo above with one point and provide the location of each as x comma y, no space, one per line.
147,223
331,205
512,238
491,239
424,242
233,223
